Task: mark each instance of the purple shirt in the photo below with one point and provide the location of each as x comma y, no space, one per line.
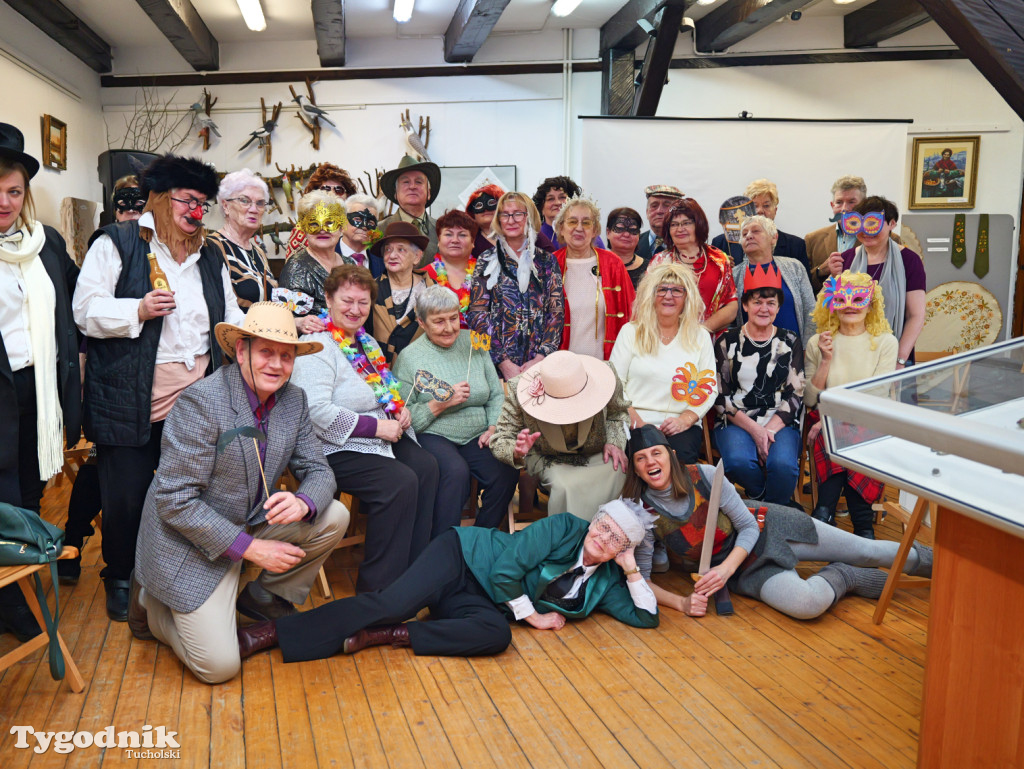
261,416
912,266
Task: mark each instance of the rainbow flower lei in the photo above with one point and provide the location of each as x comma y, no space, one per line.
382,381
441,273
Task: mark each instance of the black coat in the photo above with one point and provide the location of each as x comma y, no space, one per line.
63,274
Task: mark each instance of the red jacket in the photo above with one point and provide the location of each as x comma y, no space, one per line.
618,297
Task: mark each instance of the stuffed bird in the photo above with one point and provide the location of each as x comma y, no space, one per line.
412,138
311,111
260,134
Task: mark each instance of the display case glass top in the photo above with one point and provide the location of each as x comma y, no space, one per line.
951,430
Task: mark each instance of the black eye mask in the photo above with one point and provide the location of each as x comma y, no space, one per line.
129,199
483,203
364,220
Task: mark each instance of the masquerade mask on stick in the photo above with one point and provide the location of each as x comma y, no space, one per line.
362,220
321,217
870,223
839,295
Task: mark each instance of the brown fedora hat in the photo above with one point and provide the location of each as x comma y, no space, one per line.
403,230
409,163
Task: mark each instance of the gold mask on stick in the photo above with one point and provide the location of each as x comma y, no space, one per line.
322,218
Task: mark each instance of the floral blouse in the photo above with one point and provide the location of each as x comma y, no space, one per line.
521,325
760,381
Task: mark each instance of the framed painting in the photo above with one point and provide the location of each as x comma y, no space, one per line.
55,143
944,173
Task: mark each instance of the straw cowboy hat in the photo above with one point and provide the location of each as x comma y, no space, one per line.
389,180
265,320
566,388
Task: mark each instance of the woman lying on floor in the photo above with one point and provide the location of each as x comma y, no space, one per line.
756,563
475,579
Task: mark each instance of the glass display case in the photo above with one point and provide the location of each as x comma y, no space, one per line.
951,430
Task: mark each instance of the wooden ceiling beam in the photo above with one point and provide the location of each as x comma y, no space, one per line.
329,25
991,33
621,30
655,72
180,23
883,19
736,20
471,23
59,22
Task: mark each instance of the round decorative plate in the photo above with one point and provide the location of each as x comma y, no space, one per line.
959,315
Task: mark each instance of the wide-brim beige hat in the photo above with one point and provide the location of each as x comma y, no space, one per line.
566,388
265,320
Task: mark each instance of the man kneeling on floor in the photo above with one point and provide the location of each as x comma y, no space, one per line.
209,507
557,568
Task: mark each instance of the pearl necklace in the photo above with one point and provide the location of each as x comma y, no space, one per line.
754,342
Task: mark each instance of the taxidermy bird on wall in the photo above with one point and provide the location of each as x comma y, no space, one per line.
201,110
417,140
311,111
263,133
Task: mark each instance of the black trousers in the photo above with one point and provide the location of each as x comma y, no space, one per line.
125,474
861,515
83,506
397,496
464,622
457,466
687,444
21,485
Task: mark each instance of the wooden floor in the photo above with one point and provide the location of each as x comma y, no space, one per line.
754,689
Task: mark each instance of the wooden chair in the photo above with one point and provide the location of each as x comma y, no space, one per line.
911,525
23,576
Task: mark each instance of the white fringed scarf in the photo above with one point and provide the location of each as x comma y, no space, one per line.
23,254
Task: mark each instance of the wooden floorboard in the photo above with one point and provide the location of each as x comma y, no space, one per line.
757,689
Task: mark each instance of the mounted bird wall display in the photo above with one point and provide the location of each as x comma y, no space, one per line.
262,134
309,114
417,140
203,119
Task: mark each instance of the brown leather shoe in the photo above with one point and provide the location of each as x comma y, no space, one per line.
256,638
256,602
396,635
138,620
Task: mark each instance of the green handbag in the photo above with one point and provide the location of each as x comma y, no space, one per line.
25,538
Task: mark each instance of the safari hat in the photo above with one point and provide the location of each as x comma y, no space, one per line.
265,320
566,388
389,180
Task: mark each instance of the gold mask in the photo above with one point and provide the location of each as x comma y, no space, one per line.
321,217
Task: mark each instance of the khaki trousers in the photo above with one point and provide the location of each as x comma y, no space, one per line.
577,490
205,640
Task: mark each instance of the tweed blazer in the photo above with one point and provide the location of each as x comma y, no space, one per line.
200,500
795,277
609,426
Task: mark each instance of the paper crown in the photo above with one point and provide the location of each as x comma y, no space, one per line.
762,276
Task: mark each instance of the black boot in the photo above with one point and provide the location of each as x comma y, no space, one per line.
824,514
396,635
19,621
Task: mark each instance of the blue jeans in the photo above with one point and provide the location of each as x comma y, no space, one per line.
773,481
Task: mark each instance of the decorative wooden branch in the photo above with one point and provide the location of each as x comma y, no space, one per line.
309,114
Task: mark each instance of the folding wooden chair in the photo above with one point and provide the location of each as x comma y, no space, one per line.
912,524
23,576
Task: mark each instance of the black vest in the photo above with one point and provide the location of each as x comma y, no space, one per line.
119,370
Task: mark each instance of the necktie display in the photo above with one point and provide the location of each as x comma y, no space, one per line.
959,247
981,250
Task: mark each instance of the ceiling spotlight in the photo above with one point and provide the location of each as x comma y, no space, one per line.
843,2
403,10
706,2
564,7
252,14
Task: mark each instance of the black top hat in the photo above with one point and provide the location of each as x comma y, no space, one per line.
408,163
12,147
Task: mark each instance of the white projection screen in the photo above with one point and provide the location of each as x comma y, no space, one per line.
712,160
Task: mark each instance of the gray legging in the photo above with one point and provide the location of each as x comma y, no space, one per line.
807,598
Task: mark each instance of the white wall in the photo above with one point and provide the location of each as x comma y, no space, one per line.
40,77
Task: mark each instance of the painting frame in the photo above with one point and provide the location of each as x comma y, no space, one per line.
933,174
55,143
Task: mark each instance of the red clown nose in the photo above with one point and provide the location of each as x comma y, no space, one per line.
197,213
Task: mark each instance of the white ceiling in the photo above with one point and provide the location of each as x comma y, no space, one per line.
123,23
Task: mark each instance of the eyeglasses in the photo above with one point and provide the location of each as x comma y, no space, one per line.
621,229
573,223
512,216
683,224
193,204
336,189
246,203
673,291
614,536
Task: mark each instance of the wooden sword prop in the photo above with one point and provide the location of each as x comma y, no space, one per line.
723,605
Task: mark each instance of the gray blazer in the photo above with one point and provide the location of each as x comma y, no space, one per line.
200,500
794,275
